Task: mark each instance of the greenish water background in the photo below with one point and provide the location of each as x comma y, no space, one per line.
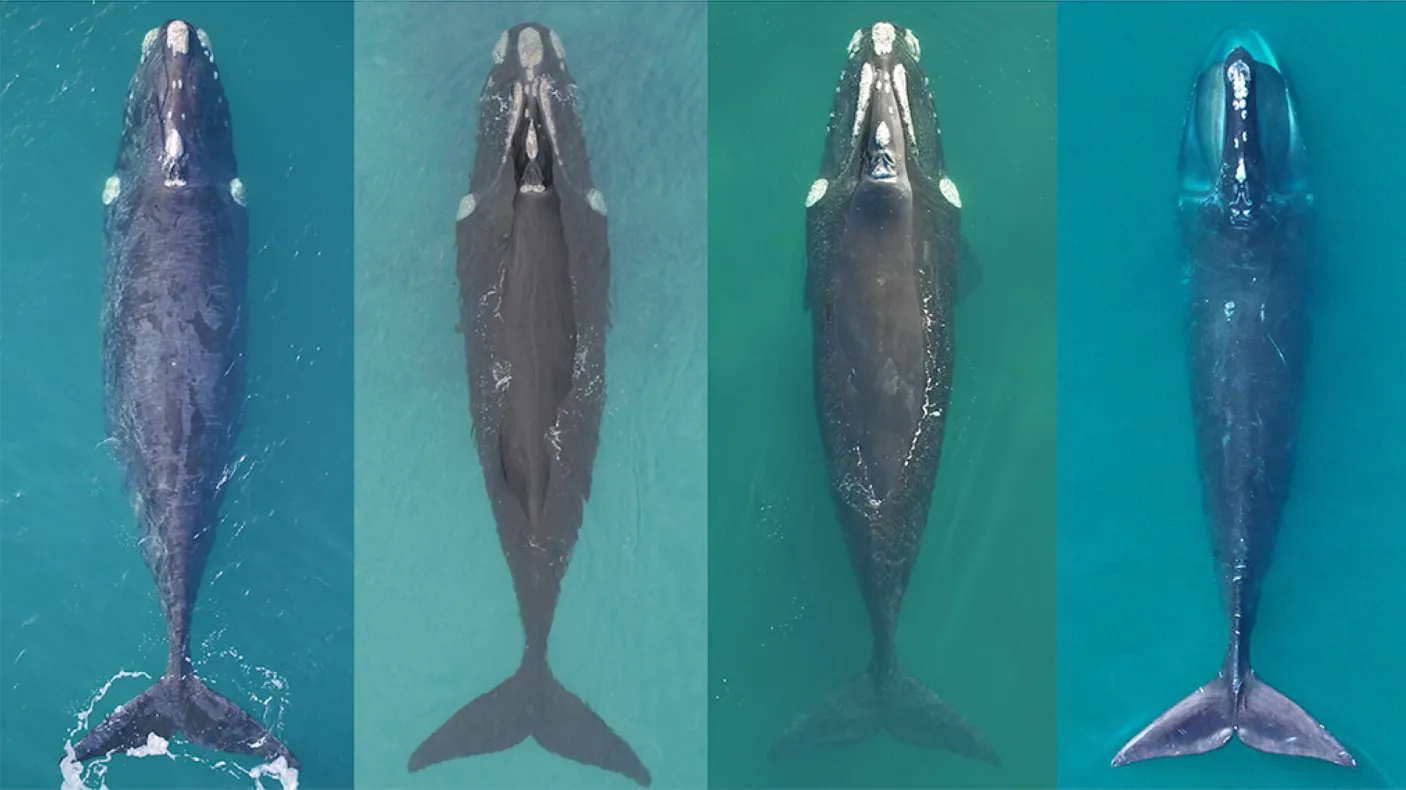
1140,622
786,622
272,629
437,620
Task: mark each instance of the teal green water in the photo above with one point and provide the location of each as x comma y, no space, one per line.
786,622
272,628
437,620
1140,622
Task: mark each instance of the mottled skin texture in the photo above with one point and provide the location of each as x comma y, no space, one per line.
173,337
534,276
881,289
1245,220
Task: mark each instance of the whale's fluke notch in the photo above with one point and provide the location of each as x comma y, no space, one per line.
531,703
183,704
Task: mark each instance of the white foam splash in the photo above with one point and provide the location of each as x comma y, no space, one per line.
155,747
288,777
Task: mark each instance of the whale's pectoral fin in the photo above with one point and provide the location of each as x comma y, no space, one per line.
913,713
128,727
968,269
1271,722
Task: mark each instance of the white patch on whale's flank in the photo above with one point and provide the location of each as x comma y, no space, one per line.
597,201
111,190
286,775
204,39
882,135
900,87
1229,309
817,191
148,40
236,190
502,375
467,204
866,86
531,140
557,46
1240,170
854,42
884,36
500,48
949,191
178,37
529,49
913,45
155,745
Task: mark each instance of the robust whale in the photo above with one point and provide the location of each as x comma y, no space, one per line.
882,246
534,280
1245,214
175,244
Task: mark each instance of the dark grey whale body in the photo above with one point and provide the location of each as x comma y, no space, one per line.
176,243
1245,215
534,279
883,245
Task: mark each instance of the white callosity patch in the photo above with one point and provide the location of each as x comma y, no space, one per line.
178,37
467,204
866,86
558,47
882,135
111,190
1240,170
884,35
544,103
236,191
149,41
500,49
529,49
855,41
204,39
949,191
531,140
171,155
900,87
817,191
913,45
597,201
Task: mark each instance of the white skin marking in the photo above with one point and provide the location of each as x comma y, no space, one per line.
597,201
900,86
882,135
883,34
854,42
174,147
204,39
949,191
817,191
149,40
558,47
1229,310
1240,170
466,207
531,140
178,37
913,45
866,86
236,191
529,49
500,48
111,190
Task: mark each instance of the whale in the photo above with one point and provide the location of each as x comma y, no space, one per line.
534,279
884,253
175,250
1245,215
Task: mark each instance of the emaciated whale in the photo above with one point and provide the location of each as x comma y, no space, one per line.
1245,213
882,246
534,280
176,239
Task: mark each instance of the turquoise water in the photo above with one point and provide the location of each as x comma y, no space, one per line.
272,628
786,622
437,620
1140,622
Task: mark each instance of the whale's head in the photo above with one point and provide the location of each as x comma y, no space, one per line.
531,82
1242,150
177,112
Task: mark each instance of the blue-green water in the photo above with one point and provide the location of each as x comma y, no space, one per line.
1140,623
437,620
272,628
786,621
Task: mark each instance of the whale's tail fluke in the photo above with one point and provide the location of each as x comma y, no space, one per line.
1264,719
182,703
893,701
531,703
